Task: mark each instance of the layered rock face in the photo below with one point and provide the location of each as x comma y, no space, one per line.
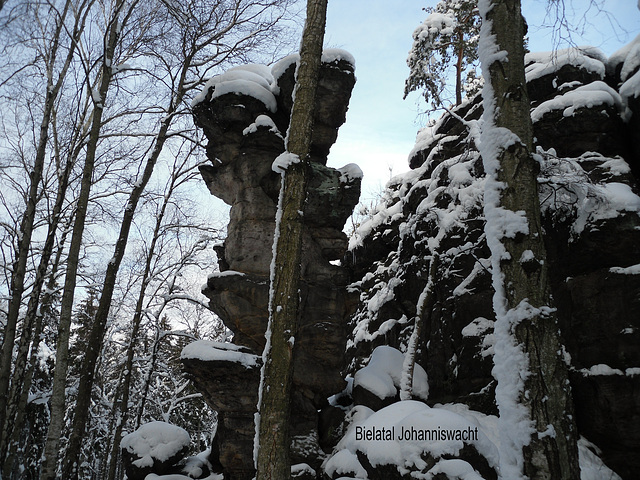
245,115
587,137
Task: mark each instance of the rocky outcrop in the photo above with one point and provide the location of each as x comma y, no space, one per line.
585,132
155,447
245,115
585,111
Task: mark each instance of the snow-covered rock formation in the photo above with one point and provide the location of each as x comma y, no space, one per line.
245,115
586,114
587,135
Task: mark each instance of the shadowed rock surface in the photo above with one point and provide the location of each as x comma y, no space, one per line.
589,165
246,132
588,190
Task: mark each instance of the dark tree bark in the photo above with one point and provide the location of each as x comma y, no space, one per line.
273,460
526,324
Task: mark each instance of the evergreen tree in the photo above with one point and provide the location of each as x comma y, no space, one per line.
448,35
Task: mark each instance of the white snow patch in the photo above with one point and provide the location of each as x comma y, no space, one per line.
455,468
628,56
278,68
262,121
479,326
208,351
343,462
350,172
383,374
587,96
591,466
330,55
300,469
226,273
175,476
240,81
155,441
632,270
442,424
539,64
631,88
284,161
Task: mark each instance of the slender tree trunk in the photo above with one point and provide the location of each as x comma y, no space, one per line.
26,226
460,58
62,348
21,380
425,303
98,329
533,392
273,440
20,407
121,407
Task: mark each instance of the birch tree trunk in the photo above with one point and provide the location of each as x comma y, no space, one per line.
18,272
425,304
533,392
30,338
273,442
62,347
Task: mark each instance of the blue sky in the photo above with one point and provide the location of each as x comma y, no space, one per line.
381,126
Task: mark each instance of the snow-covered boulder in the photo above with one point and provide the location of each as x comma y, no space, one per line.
155,447
408,439
378,384
548,73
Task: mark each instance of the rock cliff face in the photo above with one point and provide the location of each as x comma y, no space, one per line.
587,147
585,110
245,115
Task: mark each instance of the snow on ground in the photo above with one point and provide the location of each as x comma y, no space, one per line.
207,351
155,441
153,476
383,373
408,455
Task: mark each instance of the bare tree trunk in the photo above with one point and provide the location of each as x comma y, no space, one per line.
21,395
425,303
460,59
533,392
62,347
21,379
121,407
273,440
26,226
